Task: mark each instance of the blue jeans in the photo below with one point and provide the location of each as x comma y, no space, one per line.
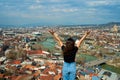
69,71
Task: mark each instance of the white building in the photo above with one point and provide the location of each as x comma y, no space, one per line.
108,75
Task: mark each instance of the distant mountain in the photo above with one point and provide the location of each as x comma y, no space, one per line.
106,25
117,23
110,24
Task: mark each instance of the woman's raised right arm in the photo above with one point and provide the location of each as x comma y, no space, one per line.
60,43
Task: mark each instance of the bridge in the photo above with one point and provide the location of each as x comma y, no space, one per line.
99,61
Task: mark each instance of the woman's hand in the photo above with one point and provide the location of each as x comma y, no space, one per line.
87,32
84,36
51,31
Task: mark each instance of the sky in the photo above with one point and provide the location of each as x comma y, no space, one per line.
56,12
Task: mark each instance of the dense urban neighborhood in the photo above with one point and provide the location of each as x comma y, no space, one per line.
32,54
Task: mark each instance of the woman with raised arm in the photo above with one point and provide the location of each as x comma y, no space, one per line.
69,52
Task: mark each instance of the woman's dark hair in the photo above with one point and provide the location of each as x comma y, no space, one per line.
69,45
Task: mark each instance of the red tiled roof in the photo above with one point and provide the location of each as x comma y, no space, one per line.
35,52
14,77
45,71
16,62
36,74
29,66
57,77
22,77
1,75
11,67
93,74
52,66
46,77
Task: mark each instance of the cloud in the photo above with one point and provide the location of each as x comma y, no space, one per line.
38,1
65,10
102,2
90,11
35,7
55,0
98,3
